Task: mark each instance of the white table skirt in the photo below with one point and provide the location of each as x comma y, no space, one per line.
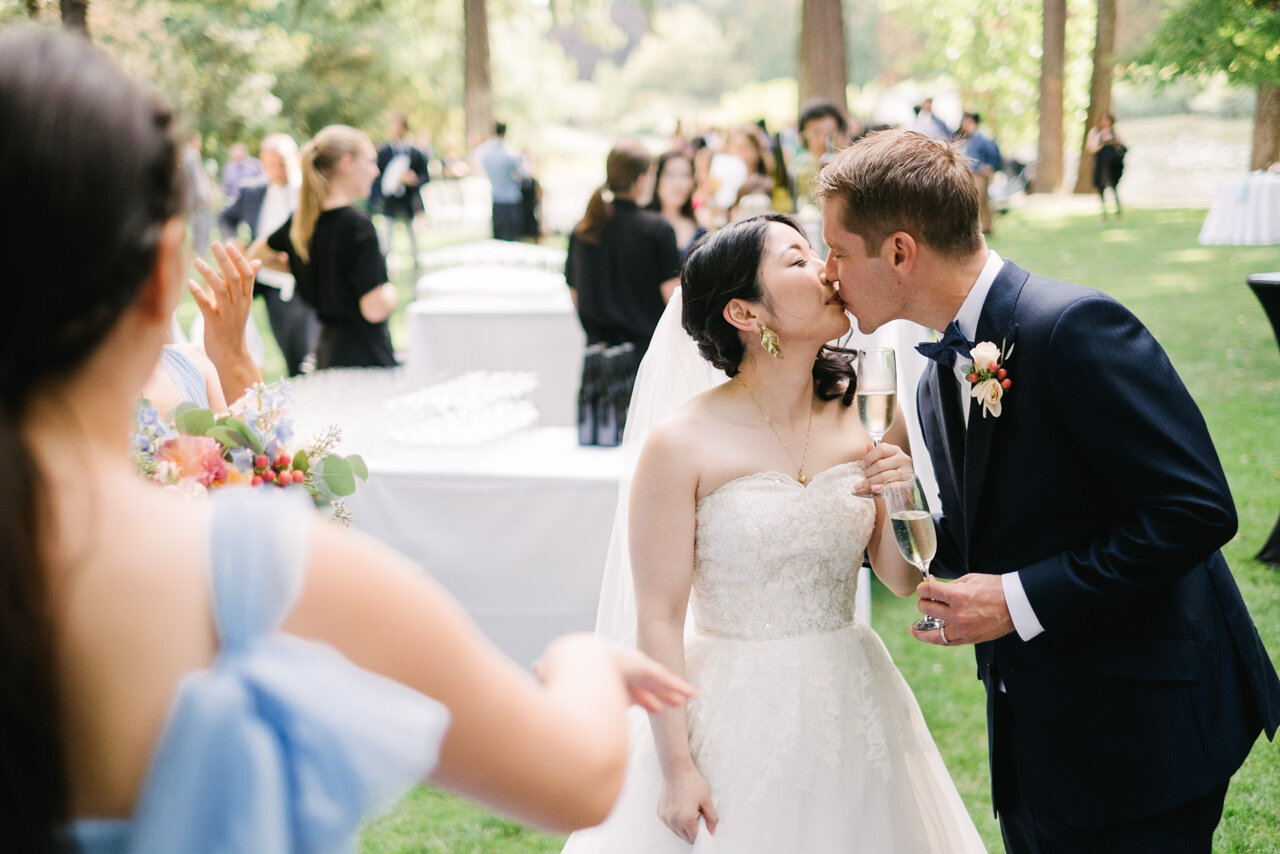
500,319
517,532
1245,211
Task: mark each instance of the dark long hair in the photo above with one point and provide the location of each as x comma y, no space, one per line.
726,266
89,164
655,204
627,161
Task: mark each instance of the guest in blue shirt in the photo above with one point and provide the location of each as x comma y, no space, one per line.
984,160
505,171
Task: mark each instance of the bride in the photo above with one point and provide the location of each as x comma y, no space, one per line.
803,736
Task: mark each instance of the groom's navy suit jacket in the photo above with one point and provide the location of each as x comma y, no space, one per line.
1099,484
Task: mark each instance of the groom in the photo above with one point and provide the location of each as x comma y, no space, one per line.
1083,512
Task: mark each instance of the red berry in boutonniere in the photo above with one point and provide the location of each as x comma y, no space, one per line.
1007,383
1000,374
973,376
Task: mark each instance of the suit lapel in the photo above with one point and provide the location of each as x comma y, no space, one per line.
996,325
944,424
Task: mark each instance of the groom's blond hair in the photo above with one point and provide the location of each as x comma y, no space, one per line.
899,180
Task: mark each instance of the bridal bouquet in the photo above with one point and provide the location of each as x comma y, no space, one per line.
252,445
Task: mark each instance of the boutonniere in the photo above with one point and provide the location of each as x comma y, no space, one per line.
988,376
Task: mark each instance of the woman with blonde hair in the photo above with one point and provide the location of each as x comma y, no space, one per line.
332,250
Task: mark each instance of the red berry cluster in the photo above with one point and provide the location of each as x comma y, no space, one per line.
278,472
1001,374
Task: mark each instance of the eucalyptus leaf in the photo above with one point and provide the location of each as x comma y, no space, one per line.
228,437
194,422
337,476
358,467
300,461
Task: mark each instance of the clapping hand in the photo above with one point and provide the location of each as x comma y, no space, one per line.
883,463
226,304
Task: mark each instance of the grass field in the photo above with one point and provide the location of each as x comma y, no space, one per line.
1196,302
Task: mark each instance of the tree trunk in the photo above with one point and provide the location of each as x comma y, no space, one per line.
822,72
1052,63
1266,127
33,8
1104,59
478,89
75,15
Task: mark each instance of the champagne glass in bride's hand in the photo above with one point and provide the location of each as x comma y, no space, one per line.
914,532
877,390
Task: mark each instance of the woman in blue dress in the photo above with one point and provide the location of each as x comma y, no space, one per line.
229,675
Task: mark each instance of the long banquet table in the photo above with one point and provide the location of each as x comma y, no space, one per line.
515,527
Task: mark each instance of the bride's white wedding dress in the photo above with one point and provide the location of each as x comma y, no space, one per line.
807,734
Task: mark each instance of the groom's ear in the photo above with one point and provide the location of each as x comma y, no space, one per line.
900,251
740,315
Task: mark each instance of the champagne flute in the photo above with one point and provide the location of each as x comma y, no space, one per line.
877,393
913,531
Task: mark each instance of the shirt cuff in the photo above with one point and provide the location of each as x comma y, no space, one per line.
1020,610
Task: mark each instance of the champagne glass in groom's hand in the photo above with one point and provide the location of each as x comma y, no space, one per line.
914,532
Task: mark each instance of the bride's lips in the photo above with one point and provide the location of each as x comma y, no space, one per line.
836,300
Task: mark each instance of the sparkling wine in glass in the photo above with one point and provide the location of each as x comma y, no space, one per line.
913,531
876,397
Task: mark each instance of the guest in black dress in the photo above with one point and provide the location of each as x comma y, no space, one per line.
673,198
1108,160
623,262
332,251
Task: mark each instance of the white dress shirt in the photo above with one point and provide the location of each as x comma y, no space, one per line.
1024,616
277,206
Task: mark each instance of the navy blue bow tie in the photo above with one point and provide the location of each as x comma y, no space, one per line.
944,352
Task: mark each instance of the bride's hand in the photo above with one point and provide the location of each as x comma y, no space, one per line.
883,463
683,798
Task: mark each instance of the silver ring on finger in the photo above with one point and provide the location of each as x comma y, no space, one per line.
942,633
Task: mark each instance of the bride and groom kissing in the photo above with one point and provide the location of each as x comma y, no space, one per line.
1083,509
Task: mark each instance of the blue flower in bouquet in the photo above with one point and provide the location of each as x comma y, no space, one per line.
242,459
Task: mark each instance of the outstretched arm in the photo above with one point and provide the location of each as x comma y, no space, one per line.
551,754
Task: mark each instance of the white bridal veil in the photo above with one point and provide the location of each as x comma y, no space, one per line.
671,373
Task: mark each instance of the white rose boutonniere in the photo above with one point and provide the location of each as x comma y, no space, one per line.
988,375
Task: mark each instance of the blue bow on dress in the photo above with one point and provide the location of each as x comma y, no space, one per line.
945,352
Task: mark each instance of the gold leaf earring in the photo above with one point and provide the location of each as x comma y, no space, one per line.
769,341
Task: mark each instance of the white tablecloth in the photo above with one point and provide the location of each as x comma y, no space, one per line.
500,318
1245,211
516,529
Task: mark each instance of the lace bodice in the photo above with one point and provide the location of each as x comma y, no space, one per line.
776,559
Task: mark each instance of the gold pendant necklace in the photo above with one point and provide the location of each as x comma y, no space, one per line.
800,475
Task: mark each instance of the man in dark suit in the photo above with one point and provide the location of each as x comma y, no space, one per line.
1083,508
264,205
397,193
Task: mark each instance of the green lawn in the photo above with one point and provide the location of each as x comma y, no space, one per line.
1195,301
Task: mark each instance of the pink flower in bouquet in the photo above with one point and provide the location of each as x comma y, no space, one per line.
196,457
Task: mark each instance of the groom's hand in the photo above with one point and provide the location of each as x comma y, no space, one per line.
973,607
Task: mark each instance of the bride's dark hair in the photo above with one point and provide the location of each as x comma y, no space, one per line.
725,266
89,164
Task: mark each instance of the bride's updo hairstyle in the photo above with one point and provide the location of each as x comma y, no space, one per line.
725,266
89,171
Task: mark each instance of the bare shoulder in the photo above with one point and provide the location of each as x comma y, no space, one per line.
684,434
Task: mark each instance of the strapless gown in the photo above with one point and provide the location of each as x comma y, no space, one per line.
808,736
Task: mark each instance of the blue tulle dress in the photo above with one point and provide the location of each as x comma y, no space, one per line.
282,744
